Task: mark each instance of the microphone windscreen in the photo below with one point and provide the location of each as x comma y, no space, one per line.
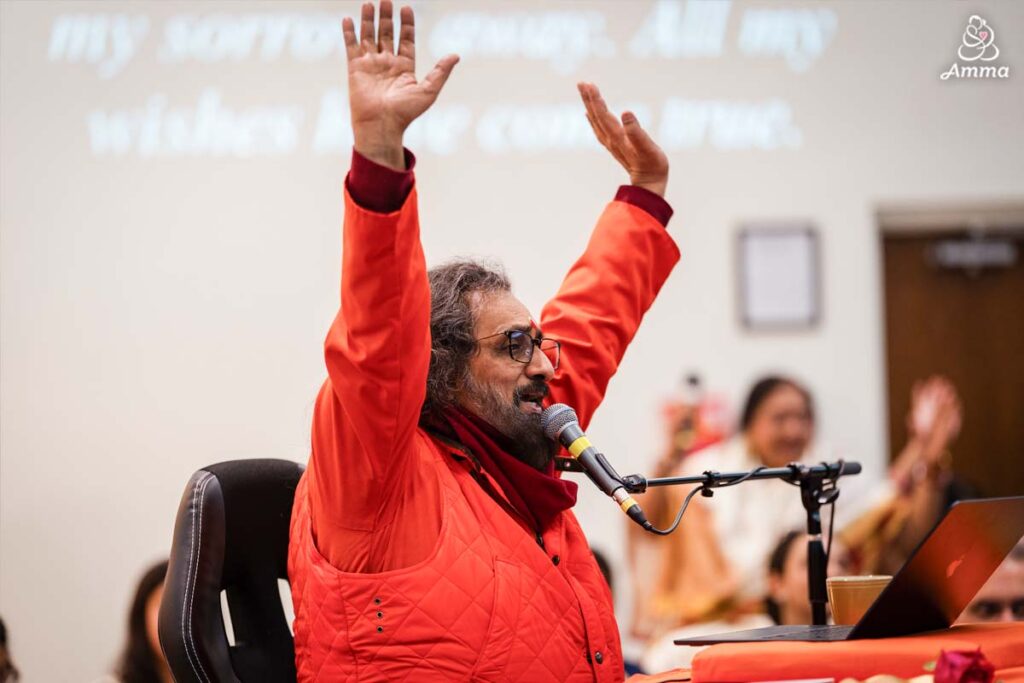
851,468
555,418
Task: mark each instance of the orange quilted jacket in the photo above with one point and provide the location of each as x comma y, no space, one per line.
402,565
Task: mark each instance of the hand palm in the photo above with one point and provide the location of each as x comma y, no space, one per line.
627,141
384,95
383,84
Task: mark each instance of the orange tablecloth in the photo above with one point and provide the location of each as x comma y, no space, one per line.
1014,675
1002,644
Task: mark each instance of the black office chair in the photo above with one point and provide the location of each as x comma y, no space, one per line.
231,534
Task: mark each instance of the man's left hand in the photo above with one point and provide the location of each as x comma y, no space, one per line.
628,142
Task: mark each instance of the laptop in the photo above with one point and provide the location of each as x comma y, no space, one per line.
931,590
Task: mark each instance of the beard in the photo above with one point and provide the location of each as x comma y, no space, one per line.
524,431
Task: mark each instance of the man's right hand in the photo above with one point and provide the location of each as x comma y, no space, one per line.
383,93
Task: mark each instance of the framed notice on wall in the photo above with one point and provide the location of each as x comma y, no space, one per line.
778,274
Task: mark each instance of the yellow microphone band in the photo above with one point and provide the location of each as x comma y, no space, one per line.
578,446
626,504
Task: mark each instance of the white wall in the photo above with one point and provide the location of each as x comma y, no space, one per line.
164,310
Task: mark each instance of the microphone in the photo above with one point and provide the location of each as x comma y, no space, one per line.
562,425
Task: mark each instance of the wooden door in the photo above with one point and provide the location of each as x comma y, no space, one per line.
967,324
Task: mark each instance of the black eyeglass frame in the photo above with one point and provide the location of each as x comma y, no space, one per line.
535,342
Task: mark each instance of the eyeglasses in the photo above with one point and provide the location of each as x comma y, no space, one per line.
520,346
991,609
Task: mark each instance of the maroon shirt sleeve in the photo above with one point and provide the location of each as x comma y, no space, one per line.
378,188
646,200
383,190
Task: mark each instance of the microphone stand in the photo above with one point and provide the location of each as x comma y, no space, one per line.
817,487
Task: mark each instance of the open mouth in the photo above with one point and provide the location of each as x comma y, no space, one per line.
531,403
531,407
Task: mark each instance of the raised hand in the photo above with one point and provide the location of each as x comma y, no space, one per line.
628,142
937,398
935,411
383,92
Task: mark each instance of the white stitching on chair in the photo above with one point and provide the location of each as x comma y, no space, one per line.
193,554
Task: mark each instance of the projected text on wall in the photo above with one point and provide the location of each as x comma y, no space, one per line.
671,34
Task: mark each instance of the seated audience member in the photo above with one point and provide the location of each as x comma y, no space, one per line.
8,672
1002,596
787,601
711,568
920,487
142,660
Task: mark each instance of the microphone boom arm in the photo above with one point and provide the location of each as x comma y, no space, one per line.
811,479
794,473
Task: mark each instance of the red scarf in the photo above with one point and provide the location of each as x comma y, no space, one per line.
537,495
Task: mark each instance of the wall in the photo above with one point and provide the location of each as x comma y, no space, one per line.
167,276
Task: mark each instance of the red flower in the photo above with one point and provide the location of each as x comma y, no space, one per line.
964,666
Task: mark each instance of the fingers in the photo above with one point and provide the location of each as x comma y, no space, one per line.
407,35
386,30
585,97
605,126
366,37
615,150
605,118
348,29
604,140
636,133
601,118
935,409
939,390
588,104
587,92
952,414
438,76
584,90
597,131
385,40
956,419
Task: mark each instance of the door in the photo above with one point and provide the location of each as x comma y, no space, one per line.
954,305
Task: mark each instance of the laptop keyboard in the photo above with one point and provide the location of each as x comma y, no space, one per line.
790,633
812,634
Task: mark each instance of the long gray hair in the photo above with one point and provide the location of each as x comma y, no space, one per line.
452,321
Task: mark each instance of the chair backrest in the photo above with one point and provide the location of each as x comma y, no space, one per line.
231,534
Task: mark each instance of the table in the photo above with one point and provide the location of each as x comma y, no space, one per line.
1002,644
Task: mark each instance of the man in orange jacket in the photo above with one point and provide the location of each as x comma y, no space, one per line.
431,538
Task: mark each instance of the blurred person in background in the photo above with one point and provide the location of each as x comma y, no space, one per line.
711,568
920,487
8,672
142,660
786,603
1002,596
695,418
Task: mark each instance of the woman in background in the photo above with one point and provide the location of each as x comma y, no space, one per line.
712,567
8,672
142,660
